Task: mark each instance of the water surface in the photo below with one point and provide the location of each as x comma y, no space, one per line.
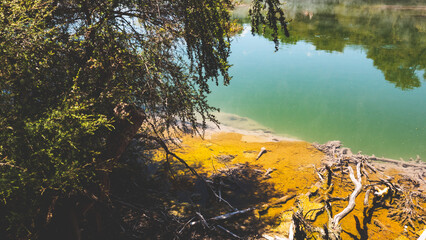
350,72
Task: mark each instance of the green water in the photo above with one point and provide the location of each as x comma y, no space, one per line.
354,73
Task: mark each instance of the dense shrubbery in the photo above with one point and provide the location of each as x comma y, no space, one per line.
65,67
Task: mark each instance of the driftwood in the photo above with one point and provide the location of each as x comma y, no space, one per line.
355,193
400,194
381,192
268,172
398,162
225,216
202,220
367,195
262,151
333,230
291,231
231,214
319,174
406,210
334,150
423,236
267,237
186,224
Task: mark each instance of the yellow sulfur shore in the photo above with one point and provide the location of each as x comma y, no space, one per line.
291,163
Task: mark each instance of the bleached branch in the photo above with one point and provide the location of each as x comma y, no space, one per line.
355,193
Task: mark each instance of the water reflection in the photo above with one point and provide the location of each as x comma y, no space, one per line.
392,34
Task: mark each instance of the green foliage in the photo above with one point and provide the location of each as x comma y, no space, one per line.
67,63
53,156
274,19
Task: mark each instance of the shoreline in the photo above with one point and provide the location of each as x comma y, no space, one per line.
256,132
259,134
288,166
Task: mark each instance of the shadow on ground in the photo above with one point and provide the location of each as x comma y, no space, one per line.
158,200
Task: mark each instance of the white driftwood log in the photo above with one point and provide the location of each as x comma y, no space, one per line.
355,193
267,237
381,192
291,231
262,151
423,236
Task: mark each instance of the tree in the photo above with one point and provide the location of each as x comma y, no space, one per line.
78,78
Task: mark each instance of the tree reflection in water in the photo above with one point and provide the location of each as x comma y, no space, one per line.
392,34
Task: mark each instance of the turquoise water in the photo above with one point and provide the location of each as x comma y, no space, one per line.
318,95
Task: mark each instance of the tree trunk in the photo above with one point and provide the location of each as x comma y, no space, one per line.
129,120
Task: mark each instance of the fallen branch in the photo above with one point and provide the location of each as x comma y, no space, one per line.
395,188
370,167
12,166
268,172
166,149
399,162
229,232
231,214
203,220
319,174
262,151
225,216
367,195
186,224
355,193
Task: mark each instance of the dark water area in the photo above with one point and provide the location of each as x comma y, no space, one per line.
350,70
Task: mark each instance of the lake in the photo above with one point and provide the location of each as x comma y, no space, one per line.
351,70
